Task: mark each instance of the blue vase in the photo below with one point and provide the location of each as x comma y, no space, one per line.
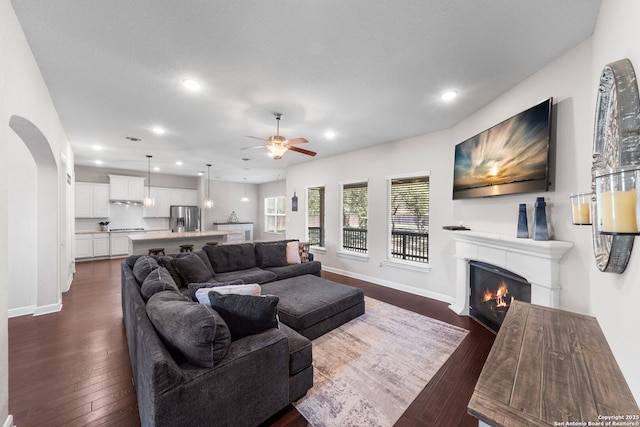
523,225
540,229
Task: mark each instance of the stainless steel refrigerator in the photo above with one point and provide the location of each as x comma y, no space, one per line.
184,218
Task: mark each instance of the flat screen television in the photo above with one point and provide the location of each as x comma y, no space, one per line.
510,157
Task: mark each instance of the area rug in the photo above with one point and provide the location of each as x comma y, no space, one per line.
369,370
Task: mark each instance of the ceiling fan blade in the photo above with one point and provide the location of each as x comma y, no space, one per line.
296,141
255,137
251,148
301,150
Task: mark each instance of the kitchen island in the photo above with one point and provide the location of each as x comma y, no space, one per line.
139,244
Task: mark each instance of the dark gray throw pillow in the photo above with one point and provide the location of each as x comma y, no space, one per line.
246,314
143,266
157,281
193,287
193,330
271,254
192,269
166,261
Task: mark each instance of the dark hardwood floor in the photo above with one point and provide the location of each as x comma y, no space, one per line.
72,368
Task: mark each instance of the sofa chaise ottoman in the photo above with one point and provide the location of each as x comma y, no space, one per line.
313,306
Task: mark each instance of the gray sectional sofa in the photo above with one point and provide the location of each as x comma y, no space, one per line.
190,365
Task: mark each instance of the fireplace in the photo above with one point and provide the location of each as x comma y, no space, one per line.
537,261
492,290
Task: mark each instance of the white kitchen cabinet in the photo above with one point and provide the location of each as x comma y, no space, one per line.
166,197
92,245
92,200
160,206
190,197
101,201
182,197
84,246
129,188
101,244
241,232
119,244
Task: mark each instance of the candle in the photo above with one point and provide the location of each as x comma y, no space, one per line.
581,213
581,208
618,211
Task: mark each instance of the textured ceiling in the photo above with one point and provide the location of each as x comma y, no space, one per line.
372,71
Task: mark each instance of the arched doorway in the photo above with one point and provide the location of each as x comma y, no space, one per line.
47,252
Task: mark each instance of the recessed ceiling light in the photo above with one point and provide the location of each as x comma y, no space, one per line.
156,168
190,84
158,130
97,147
329,134
200,173
449,95
179,162
98,162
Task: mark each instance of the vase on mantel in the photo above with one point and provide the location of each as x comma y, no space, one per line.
540,228
523,224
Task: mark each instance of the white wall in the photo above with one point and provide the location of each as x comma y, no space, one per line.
572,80
24,94
428,153
22,235
615,298
226,196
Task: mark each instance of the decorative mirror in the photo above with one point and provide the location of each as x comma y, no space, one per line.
616,143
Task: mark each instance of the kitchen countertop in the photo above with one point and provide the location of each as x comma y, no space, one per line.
231,223
123,231
136,237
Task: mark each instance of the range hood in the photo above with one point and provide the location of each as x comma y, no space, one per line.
126,202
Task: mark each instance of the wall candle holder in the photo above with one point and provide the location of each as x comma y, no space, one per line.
616,143
616,196
581,208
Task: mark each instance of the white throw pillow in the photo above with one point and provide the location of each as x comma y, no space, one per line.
202,295
293,252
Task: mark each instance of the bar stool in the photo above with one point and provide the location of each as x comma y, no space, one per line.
186,248
212,243
156,251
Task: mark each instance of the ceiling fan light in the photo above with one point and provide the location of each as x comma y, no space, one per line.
277,150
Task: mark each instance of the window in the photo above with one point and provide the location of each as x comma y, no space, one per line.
354,217
409,214
274,214
315,216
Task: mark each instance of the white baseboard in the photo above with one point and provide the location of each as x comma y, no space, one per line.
393,285
47,309
21,311
8,422
68,284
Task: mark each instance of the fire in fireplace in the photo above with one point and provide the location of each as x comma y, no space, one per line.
492,290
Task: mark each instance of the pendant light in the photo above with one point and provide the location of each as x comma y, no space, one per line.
245,198
148,201
208,202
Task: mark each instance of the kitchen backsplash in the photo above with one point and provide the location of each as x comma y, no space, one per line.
123,216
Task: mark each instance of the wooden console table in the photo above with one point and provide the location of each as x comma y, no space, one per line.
549,367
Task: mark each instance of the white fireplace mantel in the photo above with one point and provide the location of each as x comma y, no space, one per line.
535,260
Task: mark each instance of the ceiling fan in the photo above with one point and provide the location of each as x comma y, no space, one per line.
278,145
